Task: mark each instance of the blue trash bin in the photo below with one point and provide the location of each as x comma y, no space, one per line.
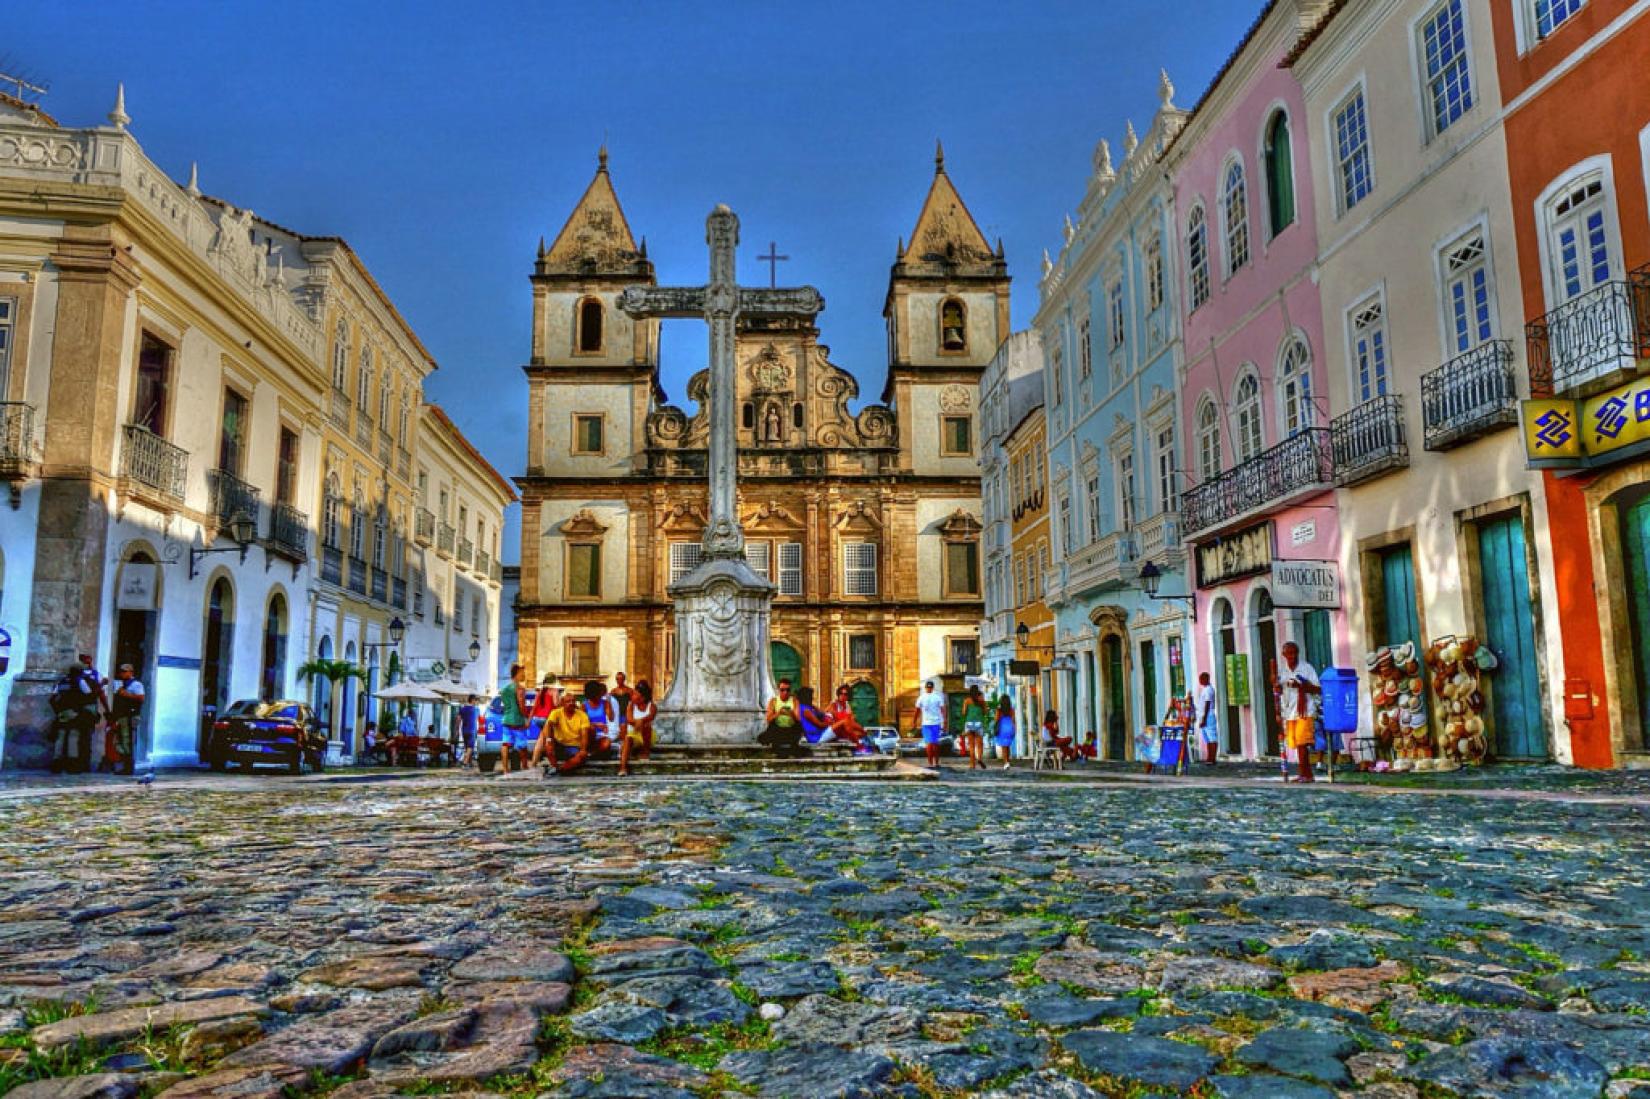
1340,703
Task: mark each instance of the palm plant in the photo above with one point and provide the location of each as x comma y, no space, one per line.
334,672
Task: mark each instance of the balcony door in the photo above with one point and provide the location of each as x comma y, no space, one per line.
232,433
154,385
1579,240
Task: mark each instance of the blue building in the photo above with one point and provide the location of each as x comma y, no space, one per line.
1109,320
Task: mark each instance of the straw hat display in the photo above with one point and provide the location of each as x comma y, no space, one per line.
1457,665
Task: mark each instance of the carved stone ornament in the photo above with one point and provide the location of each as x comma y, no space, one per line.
583,524
769,372
859,514
960,524
954,398
722,643
682,517
772,516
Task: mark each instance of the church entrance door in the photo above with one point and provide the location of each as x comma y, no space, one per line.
786,662
867,707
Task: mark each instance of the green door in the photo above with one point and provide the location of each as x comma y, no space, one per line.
1117,723
867,708
787,663
1319,653
1635,548
1398,598
1148,680
1509,631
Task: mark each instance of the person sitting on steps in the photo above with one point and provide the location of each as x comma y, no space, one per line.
784,731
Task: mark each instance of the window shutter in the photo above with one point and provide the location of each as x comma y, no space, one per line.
757,557
684,558
790,568
859,561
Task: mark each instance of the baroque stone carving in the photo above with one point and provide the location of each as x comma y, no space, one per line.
769,372
954,398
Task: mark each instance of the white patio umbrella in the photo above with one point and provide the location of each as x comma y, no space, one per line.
409,692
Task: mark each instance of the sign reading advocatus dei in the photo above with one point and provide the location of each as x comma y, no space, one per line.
1244,553
1312,585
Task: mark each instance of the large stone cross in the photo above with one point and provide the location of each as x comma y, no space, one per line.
720,302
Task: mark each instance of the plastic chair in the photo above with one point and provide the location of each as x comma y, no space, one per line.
1049,754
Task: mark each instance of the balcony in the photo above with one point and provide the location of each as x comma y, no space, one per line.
153,466
332,564
497,574
483,562
386,448
466,552
289,532
1298,467
380,586
398,593
231,496
444,539
1592,342
1370,440
424,527
338,409
403,464
1159,538
363,428
357,575
1103,564
1469,396
418,593
19,441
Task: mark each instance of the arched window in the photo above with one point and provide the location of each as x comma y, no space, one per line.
1153,252
1295,384
1280,175
217,645
1246,401
1234,208
953,326
590,325
1197,256
796,414
1208,441
363,383
747,415
329,512
340,357
272,680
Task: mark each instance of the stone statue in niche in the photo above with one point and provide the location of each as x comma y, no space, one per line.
773,428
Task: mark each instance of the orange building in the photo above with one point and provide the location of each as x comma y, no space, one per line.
1573,78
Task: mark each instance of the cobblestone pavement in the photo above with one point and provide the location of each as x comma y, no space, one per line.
248,938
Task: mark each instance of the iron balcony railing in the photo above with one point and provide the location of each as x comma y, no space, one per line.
466,552
339,408
1593,341
398,593
332,564
289,531
154,463
483,562
498,573
424,527
444,539
357,575
1370,440
231,496
19,441
1471,395
1300,463
380,585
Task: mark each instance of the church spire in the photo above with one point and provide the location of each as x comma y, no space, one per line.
596,238
946,232
939,157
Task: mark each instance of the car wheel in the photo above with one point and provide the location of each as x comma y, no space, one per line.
215,760
318,762
485,764
295,765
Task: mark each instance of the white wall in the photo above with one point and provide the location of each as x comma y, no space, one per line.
553,553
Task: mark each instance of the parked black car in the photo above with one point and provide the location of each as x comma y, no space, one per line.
284,732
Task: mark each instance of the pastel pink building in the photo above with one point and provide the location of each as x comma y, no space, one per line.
1258,511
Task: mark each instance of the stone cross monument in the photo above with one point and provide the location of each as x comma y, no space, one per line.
720,687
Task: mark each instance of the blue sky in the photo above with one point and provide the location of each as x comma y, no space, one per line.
442,140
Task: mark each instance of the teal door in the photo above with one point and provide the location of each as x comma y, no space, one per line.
1398,598
1509,631
1148,680
1319,653
787,663
1635,548
1117,722
867,709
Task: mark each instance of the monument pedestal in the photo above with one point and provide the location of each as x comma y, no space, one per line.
718,695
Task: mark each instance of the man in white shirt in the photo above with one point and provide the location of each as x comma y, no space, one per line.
931,719
1203,709
124,710
1297,691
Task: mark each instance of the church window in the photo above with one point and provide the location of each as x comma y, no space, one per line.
962,569
1197,256
587,433
584,570
1235,211
956,436
862,651
953,326
583,656
590,326
1280,175
747,415
684,558
859,568
796,414
340,357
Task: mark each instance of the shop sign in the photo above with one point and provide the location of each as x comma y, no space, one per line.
1310,585
1237,679
137,587
1559,432
1023,668
1242,554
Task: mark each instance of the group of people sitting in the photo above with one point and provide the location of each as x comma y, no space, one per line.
567,729
794,720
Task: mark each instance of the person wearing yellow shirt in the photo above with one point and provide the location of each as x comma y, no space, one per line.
567,736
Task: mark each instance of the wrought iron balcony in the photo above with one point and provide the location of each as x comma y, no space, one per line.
357,575
1471,395
466,552
497,574
150,462
398,593
19,440
1370,440
444,539
380,585
424,527
1591,342
338,409
231,495
289,532
483,559
1302,464
332,564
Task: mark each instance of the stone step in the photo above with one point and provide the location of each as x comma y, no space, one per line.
686,765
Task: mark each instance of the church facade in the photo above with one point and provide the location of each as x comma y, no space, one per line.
867,522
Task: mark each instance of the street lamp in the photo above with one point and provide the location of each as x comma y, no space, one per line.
243,530
1151,576
398,630
475,651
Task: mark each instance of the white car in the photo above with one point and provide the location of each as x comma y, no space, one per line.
884,738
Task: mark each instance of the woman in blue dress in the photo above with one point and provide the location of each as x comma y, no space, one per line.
1003,735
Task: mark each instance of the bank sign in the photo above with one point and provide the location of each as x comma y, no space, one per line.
1308,585
1560,433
